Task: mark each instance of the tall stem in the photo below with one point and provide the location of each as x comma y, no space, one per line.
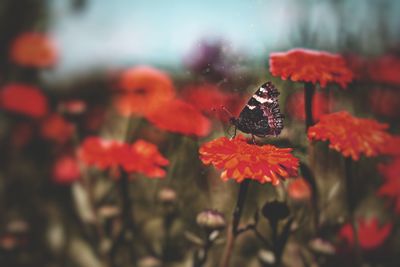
351,201
233,229
309,91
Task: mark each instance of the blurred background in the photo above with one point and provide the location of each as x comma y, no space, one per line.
71,215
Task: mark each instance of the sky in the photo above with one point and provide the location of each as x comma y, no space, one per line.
123,32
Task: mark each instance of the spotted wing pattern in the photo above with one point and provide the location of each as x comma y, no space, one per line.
261,116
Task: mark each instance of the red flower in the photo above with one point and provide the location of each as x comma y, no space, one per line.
385,102
240,160
391,185
143,89
34,49
370,235
143,157
66,170
310,66
385,70
351,136
180,117
56,128
209,99
295,106
140,157
24,99
299,189
100,153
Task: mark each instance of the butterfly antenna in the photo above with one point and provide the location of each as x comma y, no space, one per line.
227,111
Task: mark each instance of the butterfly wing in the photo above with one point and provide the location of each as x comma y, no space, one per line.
261,116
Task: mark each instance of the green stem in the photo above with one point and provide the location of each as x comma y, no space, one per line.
351,201
233,231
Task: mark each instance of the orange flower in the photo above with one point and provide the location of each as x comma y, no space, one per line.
143,89
295,106
34,49
66,170
351,136
140,157
23,99
180,117
391,185
209,99
310,66
299,189
56,128
240,160
385,70
370,235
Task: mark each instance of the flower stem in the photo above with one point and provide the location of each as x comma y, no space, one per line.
351,201
275,241
233,230
309,91
200,257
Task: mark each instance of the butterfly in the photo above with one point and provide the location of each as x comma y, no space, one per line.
261,116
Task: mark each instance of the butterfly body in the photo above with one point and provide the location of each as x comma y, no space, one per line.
261,116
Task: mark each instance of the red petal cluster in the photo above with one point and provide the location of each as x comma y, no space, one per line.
209,99
57,129
150,93
295,106
370,235
310,66
66,170
351,136
34,49
143,157
240,160
180,117
299,189
143,89
140,157
24,99
391,185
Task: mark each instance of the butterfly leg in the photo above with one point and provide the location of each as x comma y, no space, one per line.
234,133
253,139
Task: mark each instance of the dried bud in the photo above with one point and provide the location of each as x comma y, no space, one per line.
211,220
109,211
267,257
149,262
167,195
275,211
322,246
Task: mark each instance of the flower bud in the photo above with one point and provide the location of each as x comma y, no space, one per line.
149,262
275,211
211,220
167,195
